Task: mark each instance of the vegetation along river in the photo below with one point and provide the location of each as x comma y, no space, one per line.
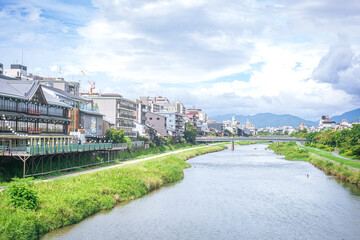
250,193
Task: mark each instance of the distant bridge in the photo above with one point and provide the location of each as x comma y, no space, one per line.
258,138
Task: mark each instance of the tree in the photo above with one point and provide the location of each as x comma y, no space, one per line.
117,136
190,133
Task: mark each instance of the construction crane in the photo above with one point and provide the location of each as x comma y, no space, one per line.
92,83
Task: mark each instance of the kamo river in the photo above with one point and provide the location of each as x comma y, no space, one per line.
249,193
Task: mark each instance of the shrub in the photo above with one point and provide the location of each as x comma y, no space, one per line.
22,195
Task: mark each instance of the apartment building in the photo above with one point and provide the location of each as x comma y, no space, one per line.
117,109
175,123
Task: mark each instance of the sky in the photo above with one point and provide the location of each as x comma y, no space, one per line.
224,56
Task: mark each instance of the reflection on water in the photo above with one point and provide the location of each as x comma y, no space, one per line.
246,194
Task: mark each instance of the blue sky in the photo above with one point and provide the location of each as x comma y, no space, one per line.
241,57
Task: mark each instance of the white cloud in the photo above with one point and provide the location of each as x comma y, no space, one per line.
179,48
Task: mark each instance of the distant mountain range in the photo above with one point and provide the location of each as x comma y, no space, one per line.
262,120
351,116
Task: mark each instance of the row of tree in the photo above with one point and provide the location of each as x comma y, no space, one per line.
348,141
118,136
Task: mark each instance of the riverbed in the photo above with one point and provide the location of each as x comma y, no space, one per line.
249,193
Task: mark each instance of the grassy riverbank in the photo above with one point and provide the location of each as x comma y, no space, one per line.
293,152
241,143
69,200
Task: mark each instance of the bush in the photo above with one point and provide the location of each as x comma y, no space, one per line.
356,150
22,195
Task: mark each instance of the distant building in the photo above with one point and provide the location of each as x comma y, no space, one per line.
325,122
117,109
157,122
17,71
175,123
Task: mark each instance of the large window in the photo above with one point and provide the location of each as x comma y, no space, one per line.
22,107
21,126
51,127
43,127
9,105
55,111
59,128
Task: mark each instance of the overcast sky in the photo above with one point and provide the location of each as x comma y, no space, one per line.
242,57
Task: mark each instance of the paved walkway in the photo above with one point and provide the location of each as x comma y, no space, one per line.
323,158
337,155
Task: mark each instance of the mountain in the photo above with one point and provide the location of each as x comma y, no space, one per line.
261,120
351,116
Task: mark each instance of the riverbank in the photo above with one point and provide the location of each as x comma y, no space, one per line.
69,200
292,151
242,143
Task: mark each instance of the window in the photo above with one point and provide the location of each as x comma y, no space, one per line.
157,118
150,118
21,126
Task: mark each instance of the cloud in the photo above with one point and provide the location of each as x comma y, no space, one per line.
340,67
200,52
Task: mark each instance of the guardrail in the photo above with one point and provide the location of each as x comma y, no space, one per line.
47,149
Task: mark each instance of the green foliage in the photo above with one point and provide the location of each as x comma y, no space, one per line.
117,136
190,133
22,194
143,139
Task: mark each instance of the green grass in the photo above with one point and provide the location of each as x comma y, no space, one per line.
334,158
351,157
293,152
250,142
138,154
69,200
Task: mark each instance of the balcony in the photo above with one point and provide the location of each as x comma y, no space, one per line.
34,131
121,115
128,125
126,107
34,112
130,134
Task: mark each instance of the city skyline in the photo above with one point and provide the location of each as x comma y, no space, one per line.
242,57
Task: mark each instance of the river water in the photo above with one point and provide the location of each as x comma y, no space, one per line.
250,193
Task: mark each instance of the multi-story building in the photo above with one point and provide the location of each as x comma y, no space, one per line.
175,123
197,113
26,110
84,117
17,71
157,122
325,122
151,104
117,109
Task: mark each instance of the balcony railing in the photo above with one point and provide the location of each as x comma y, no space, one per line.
128,125
130,134
126,107
121,115
34,112
34,131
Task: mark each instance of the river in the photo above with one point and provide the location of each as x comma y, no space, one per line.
249,193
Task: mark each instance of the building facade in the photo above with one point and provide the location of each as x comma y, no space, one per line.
117,109
157,122
26,110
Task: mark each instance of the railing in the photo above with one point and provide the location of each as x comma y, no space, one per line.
130,134
34,112
126,107
129,125
34,131
48,149
89,108
126,116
